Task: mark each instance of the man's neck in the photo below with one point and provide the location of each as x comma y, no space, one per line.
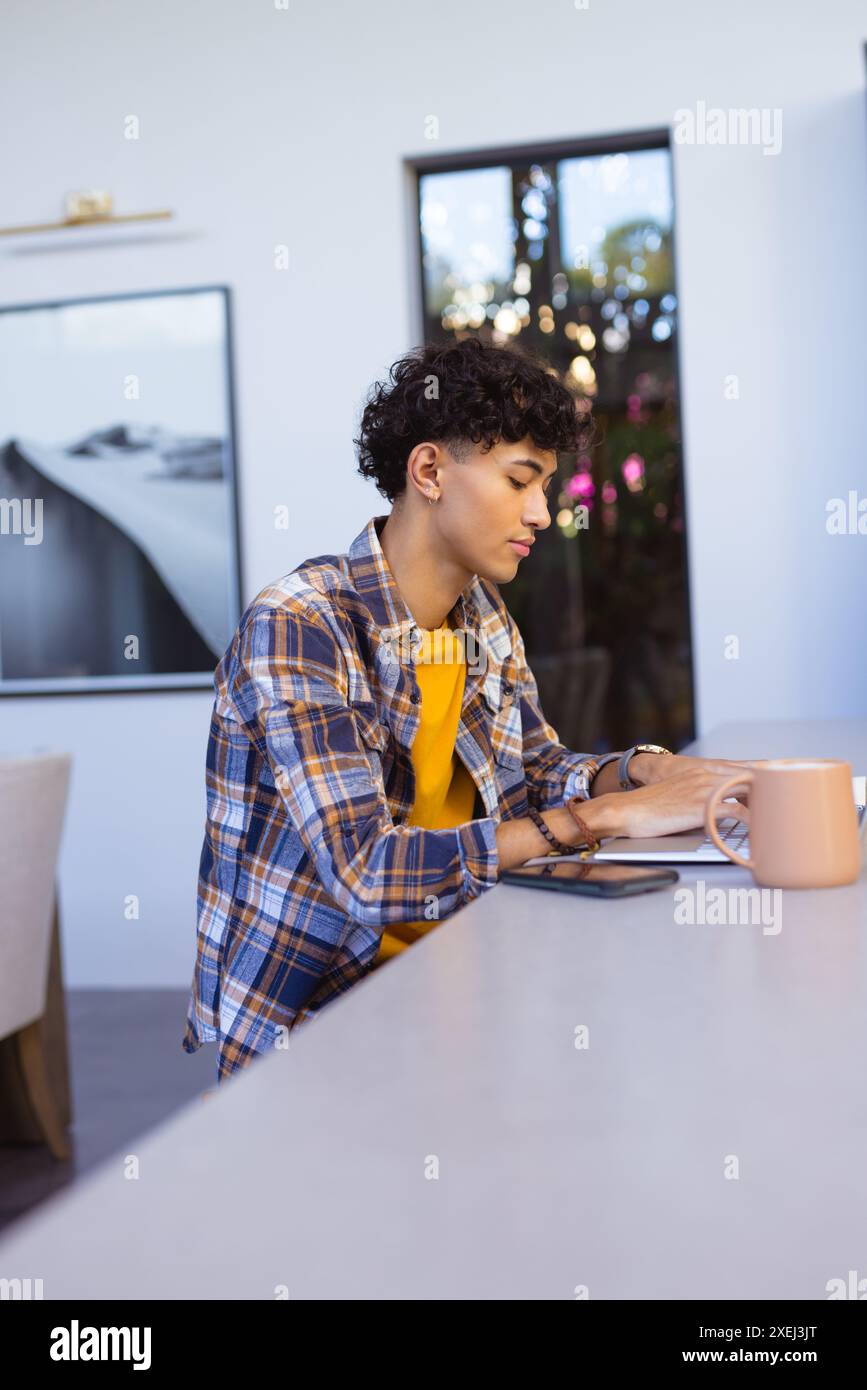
429,585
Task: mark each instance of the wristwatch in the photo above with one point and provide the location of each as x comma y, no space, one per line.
626,782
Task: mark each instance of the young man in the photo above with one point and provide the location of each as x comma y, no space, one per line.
377,749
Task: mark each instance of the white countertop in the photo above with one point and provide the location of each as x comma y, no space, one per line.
558,1166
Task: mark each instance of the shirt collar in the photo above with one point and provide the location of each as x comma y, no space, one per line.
374,581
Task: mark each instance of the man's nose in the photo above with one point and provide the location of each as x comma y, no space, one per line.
538,516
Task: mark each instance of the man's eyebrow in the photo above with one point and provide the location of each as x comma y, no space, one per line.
529,463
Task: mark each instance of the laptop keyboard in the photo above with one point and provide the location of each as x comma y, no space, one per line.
733,834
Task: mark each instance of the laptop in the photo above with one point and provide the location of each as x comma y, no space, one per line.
695,847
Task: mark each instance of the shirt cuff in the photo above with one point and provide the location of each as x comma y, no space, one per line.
578,780
480,857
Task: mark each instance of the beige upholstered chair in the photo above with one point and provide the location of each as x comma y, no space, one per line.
33,795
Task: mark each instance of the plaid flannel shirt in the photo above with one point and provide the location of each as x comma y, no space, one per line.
309,780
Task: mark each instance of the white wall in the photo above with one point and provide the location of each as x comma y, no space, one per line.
261,126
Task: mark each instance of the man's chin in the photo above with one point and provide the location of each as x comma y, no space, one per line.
501,572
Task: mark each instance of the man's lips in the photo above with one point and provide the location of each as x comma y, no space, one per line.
521,547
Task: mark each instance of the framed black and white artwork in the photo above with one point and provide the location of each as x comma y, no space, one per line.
119,533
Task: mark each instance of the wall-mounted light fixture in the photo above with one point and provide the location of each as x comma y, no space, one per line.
88,208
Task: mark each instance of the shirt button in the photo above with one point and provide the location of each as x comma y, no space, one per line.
415,697
508,687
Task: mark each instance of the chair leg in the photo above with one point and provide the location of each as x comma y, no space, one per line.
31,1055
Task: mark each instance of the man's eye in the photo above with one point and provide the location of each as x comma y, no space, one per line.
521,485
546,489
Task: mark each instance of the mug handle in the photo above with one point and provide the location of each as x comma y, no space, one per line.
710,818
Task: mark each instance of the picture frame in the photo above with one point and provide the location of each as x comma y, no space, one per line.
120,562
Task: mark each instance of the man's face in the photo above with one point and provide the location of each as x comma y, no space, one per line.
492,499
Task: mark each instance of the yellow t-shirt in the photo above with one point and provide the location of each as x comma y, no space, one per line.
444,790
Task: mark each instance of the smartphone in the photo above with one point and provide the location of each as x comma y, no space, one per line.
582,876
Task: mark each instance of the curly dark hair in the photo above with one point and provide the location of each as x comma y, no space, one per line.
483,394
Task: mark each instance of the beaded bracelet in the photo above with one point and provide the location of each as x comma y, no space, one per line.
559,847
591,843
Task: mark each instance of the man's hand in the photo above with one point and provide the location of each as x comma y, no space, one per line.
650,768
676,803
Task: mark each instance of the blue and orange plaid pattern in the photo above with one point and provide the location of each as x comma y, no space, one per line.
309,780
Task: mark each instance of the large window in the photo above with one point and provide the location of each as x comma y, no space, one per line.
569,250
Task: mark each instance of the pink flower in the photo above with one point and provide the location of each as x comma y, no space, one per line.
633,468
582,485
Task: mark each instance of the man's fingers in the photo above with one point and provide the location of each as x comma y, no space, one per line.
730,765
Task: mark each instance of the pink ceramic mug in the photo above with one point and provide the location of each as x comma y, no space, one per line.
803,826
